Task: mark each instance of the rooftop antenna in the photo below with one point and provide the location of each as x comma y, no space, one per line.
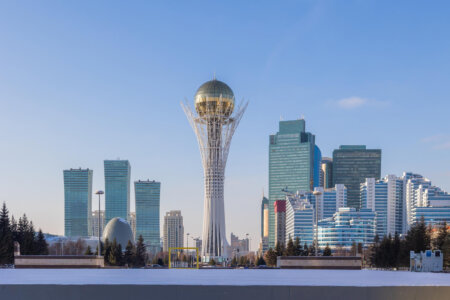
281,118
214,75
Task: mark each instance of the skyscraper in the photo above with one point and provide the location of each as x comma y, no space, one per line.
327,172
385,197
214,126
280,221
291,164
117,189
77,202
264,217
351,166
147,195
173,230
317,166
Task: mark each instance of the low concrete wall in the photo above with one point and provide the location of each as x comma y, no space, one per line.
60,262
320,262
179,292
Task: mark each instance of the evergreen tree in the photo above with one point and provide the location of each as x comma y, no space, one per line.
234,262
305,250
160,261
297,247
112,257
279,249
446,252
212,262
88,251
353,249
260,261
140,252
312,250
439,241
327,251
41,246
106,250
6,238
418,238
270,257
129,256
290,249
242,261
396,250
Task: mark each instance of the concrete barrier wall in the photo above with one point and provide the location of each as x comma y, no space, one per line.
38,261
177,292
320,262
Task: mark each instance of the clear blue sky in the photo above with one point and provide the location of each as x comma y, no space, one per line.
84,81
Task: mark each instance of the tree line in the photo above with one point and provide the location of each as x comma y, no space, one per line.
293,248
393,251
21,231
134,256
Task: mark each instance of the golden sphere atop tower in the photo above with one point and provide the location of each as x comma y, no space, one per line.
214,98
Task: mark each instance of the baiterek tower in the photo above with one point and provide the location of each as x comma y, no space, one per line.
214,123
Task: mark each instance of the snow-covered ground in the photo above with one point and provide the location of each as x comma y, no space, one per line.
222,277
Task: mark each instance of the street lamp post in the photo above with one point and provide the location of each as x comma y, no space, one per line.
248,242
316,208
99,193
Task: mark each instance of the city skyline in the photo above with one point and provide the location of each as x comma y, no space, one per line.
66,107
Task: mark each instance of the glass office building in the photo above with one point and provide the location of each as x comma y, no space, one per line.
347,226
351,166
147,195
317,167
77,202
291,164
326,172
117,189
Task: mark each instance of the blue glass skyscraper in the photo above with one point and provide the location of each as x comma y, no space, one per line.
147,195
317,166
291,164
117,189
77,202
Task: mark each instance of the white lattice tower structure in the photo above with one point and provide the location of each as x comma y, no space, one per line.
214,126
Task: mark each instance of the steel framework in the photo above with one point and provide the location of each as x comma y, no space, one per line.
214,131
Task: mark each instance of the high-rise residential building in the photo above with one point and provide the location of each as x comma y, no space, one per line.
77,202
328,200
291,164
347,226
264,217
351,166
198,244
147,196
280,221
299,218
385,197
239,246
132,222
214,124
95,222
117,189
173,230
326,173
412,182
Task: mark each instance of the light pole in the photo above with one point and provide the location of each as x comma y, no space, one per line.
316,208
99,193
248,242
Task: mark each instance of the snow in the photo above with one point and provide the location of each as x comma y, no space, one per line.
236,277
